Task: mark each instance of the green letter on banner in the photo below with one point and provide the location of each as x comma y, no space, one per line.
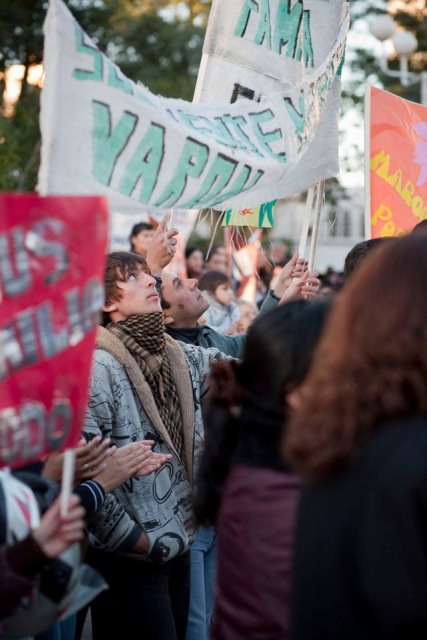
145,164
258,118
191,164
219,175
90,50
108,145
264,26
250,5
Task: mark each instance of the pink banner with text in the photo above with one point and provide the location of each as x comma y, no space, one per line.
52,253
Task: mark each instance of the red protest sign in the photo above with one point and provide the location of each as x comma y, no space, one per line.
397,164
51,288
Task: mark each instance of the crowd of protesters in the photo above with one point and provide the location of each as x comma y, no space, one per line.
249,470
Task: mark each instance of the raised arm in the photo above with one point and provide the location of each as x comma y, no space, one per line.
162,247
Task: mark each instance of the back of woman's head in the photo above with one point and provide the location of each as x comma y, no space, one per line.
371,363
277,354
278,350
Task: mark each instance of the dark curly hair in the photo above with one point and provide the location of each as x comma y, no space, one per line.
371,363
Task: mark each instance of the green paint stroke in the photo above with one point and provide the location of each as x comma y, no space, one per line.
117,79
288,35
266,210
297,117
145,164
95,73
190,165
265,138
108,144
218,177
243,182
263,34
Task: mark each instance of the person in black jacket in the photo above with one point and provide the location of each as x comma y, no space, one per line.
244,486
359,435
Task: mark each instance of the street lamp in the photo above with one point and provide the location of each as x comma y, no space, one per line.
404,43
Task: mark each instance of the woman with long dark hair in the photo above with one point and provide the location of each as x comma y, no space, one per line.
360,437
244,486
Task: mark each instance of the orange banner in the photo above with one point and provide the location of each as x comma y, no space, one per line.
398,164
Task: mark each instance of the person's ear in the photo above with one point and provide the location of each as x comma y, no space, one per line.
109,307
293,398
167,318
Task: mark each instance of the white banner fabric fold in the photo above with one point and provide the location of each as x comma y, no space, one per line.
104,134
253,49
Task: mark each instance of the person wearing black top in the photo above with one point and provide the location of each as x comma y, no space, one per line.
359,436
244,486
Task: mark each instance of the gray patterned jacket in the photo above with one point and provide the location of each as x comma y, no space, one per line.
122,406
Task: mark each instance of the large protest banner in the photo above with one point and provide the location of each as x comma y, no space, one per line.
51,289
253,50
396,166
101,133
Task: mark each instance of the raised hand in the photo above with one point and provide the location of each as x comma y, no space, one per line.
305,287
295,268
162,247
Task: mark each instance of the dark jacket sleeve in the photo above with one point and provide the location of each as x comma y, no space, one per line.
19,565
270,302
92,496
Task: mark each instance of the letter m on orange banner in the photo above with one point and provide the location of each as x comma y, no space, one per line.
395,164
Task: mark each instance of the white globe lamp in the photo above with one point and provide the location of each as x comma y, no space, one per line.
382,27
404,43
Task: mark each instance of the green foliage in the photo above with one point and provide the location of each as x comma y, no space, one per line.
20,145
159,43
21,35
163,55
155,42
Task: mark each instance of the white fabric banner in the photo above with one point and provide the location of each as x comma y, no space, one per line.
103,134
255,49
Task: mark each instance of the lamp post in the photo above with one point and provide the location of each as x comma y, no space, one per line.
404,43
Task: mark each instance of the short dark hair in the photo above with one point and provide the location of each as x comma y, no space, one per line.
358,253
118,267
140,226
217,248
212,279
420,228
137,228
190,250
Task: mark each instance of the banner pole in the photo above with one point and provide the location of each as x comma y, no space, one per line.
367,156
67,481
171,220
315,232
306,222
